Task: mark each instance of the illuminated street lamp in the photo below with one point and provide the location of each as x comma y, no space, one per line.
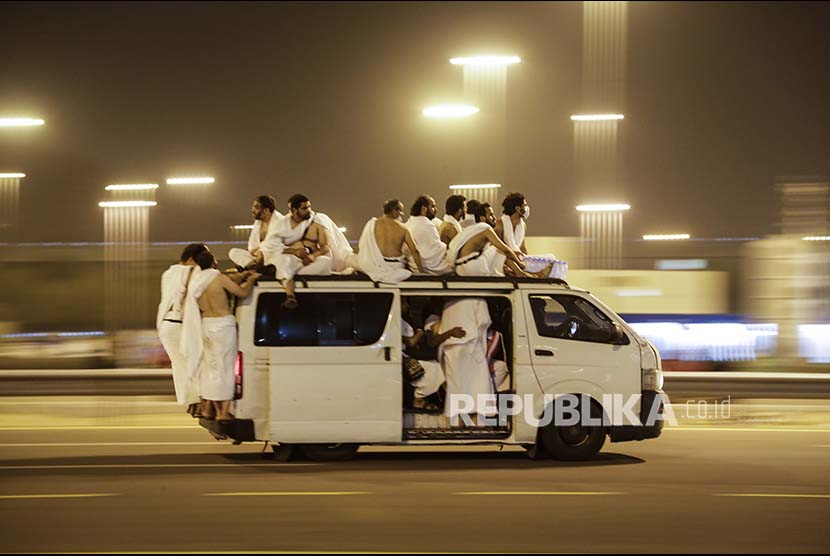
596,117
665,237
601,228
485,61
190,181
449,111
20,122
126,204
619,207
131,186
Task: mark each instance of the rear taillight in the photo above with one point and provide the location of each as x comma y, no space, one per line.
238,373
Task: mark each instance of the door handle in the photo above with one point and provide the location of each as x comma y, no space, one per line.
387,353
543,352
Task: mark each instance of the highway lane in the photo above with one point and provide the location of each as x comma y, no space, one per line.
90,475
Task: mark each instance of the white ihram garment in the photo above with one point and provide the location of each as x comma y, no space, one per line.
489,262
191,343
432,250
173,288
216,371
244,258
465,359
372,261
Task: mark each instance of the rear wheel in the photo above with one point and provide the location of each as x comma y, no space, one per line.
330,452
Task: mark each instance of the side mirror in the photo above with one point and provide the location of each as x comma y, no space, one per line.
616,333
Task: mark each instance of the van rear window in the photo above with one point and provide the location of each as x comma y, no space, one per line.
322,319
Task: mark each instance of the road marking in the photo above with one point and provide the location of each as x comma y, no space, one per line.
153,466
72,444
741,429
311,493
775,495
36,496
100,427
537,493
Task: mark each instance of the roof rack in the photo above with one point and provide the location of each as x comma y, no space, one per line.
450,281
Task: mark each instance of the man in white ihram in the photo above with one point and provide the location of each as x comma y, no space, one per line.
209,339
303,244
477,250
465,361
425,235
381,246
174,283
456,213
264,212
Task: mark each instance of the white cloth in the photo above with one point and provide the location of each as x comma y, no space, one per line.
433,251
187,391
191,344
434,375
290,265
462,238
372,261
513,237
489,262
436,222
465,359
216,371
451,220
240,257
341,250
469,220
173,287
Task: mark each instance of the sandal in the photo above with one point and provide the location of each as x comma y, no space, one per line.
290,303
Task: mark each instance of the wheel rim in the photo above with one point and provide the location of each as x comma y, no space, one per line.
575,435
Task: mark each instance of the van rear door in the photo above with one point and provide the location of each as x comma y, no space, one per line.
334,365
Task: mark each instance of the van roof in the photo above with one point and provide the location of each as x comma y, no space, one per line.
417,282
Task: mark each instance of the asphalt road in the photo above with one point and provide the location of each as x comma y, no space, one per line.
104,475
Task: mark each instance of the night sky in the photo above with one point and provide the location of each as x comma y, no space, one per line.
325,99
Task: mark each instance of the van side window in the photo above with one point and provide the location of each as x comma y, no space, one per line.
323,319
570,317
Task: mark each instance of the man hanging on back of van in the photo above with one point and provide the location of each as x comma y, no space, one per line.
209,340
305,246
381,246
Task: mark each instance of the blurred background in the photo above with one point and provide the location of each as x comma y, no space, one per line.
675,155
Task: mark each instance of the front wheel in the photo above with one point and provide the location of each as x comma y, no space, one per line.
576,442
330,452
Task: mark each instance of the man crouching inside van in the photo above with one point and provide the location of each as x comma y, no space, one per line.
209,334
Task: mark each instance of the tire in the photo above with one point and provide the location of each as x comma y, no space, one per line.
574,443
330,452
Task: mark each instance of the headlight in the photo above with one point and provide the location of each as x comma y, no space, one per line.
652,379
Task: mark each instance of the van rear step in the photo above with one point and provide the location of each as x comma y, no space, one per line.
240,430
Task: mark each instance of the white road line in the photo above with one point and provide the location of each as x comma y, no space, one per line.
40,496
153,466
762,495
100,427
741,429
537,493
310,493
75,444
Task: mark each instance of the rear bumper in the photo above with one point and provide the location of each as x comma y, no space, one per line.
651,404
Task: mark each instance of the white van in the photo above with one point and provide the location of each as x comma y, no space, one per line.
326,378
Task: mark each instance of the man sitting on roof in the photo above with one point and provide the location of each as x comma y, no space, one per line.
477,250
381,246
304,244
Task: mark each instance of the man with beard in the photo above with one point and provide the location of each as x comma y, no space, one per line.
456,212
432,250
478,251
264,211
304,246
